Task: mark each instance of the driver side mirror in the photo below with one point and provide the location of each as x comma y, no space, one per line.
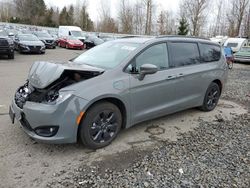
147,69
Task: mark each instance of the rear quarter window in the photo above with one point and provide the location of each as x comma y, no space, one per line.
210,53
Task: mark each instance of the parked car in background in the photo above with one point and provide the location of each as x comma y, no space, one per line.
54,35
6,45
46,38
29,43
236,43
70,42
116,85
92,41
243,55
219,39
26,31
74,31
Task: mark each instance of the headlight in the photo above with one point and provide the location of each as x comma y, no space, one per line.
43,41
10,42
23,45
53,97
63,96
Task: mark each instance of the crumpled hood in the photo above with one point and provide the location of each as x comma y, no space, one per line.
43,73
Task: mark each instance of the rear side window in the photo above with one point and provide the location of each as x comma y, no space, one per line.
183,54
210,52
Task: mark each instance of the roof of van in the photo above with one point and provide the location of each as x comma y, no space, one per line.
168,38
74,28
236,40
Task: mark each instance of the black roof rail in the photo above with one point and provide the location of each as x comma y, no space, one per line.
181,36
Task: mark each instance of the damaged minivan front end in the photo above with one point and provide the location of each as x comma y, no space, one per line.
45,107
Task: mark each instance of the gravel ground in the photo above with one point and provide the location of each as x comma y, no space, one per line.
215,154
238,85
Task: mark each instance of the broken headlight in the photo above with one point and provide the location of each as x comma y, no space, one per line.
54,97
51,96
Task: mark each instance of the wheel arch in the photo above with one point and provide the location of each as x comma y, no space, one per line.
116,101
217,81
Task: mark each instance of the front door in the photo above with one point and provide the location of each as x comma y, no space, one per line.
150,97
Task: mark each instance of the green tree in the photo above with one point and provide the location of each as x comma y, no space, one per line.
84,20
66,17
63,16
48,20
183,27
31,11
70,16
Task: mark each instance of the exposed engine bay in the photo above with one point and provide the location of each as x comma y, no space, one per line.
48,95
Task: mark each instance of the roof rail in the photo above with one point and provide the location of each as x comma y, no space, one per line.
181,36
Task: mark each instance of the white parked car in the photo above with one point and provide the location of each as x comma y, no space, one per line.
236,43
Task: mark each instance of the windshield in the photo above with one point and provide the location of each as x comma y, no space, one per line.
43,35
28,38
72,38
107,55
76,33
245,49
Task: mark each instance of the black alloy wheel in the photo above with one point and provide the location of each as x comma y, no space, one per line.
100,125
104,126
211,98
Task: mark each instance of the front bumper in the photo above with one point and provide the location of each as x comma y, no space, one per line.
50,45
63,115
32,49
6,50
75,46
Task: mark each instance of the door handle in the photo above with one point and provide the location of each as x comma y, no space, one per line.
180,75
171,77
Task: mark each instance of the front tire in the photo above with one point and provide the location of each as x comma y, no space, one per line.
211,98
100,125
11,56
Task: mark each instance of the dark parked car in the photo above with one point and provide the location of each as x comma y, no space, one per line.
47,39
92,41
28,43
116,85
6,45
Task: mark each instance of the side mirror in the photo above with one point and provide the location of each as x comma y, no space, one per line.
147,69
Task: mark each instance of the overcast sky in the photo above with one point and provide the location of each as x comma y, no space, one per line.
93,5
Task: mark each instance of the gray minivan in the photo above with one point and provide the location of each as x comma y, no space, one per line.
116,85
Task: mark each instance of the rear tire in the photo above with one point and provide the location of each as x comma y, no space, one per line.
100,125
211,98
